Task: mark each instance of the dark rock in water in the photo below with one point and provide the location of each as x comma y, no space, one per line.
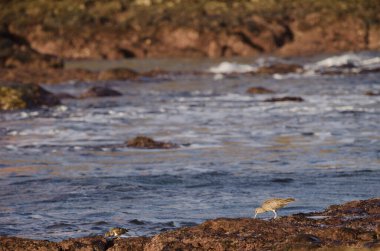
25,96
280,68
259,90
282,180
97,91
146,142
372,93
372,70
353,225
117,74
64,95
307,134
136,222
285,99
15,51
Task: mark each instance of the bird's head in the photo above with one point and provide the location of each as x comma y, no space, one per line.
259,210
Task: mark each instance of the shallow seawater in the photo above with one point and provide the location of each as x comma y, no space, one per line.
64,173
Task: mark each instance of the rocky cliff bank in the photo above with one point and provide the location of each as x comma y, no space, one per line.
116,29
352,226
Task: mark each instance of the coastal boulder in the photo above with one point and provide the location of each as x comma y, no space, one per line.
25,96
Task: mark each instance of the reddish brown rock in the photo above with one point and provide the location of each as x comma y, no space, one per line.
130,244
315,34
15,51
259,90
124,29
148,143
20,244
84,244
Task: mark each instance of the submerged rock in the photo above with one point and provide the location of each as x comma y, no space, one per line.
146,142
25,96
259,90
98,91
280,68
372,93
285,99
64,95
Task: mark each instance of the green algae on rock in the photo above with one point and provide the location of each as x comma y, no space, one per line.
25,96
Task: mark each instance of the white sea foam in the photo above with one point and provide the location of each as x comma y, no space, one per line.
231,67
349,62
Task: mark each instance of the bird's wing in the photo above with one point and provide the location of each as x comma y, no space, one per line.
276,203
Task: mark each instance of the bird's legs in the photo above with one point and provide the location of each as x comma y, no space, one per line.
275,214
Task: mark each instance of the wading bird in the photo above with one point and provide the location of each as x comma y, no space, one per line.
273,205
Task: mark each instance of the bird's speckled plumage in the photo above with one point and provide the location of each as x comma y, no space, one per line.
116,232
273,205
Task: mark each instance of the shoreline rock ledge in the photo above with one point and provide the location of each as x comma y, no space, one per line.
351,226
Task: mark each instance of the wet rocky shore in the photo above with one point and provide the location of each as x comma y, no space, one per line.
351,226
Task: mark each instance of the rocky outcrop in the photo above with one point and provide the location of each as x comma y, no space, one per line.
15,51
354,225
124,29
25,96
